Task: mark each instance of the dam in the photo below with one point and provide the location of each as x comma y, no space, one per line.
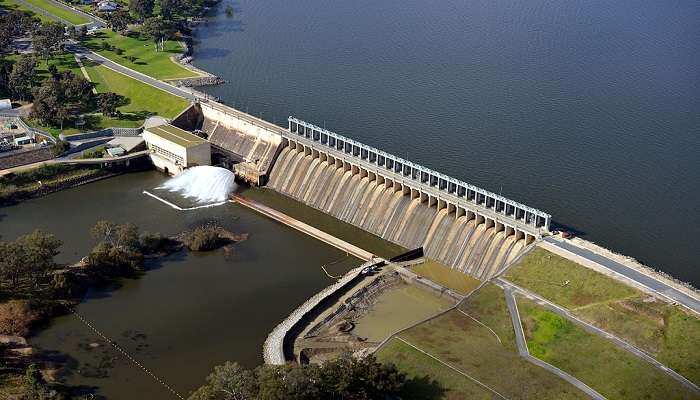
464,227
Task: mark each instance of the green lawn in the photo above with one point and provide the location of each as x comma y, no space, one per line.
147,60
15,5
142,99
475,350
67,15
564,282
667,332
598,362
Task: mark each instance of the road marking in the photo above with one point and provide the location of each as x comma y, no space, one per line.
482,324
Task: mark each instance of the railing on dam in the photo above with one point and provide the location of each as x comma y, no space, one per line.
446,188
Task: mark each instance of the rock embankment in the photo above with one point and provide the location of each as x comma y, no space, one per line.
273,349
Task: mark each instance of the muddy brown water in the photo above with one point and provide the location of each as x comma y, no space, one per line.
189,311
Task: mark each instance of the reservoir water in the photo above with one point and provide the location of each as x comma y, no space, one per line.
589,110
189,311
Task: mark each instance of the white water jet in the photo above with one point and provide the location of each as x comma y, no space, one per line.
205,184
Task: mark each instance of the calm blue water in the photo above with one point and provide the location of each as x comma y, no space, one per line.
589,110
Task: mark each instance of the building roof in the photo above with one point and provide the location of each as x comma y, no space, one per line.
176,135
5,104
128,143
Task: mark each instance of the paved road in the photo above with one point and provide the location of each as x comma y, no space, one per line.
525,353
83,52
595,330
621,269
94,22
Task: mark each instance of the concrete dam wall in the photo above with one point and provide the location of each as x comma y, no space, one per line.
465,227
468,243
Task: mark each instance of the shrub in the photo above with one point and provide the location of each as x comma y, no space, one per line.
118,51
203,238
15,317
153,242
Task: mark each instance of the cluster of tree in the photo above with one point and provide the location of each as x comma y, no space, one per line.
28,260
13,25
48,39
120,250
203,238
342,379
169,10
62,95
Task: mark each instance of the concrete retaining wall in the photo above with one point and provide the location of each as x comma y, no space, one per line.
273,349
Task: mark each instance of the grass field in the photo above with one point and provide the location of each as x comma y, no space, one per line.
598,362
564,282
142,99
475,350
67,15
15,5
667,332
421,371
441,274
147,60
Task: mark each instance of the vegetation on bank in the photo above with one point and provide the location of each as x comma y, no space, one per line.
346,378
667,332
612,371
134,51
34,288
19,186
484,350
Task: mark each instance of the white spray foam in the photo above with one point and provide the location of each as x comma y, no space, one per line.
204,184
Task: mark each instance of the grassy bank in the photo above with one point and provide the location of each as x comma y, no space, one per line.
65,14
25,184
140,54
484,350
598,362
142,100
667,332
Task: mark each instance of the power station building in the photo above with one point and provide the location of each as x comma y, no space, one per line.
174,149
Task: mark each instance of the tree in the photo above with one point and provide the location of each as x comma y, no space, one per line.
345,378
39,250
107,103
48,105
170,9
13,25
12,266
48,39
157,30
22,77
141,9
228,381
36,382
119,21
120,236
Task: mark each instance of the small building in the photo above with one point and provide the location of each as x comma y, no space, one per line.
174,149
107,6
129,144
5,104
23,140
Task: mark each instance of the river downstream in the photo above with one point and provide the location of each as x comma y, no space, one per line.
189,311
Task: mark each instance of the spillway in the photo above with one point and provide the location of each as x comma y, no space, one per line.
476,246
